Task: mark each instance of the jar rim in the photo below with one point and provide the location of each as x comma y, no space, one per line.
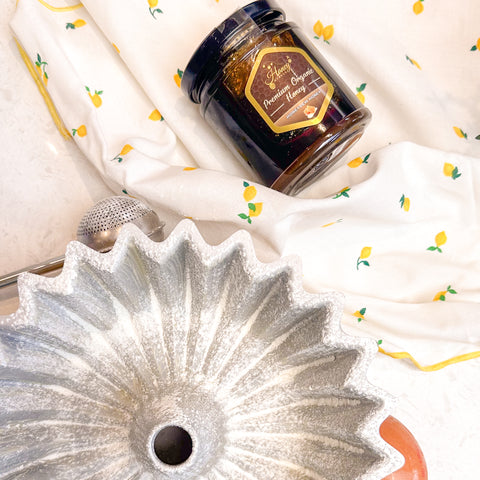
205,59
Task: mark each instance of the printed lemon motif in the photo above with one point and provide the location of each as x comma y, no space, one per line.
189,169
178,77
327,32
318,29
418,7
81,131
40,66
356,162
116,48
460,132
440,239
95,97
360,94
249,193
405,203
76,24
442,296
450,170
155,116
476,46
254,209
365,253
125,149
413,62
152,4
360,314
343,193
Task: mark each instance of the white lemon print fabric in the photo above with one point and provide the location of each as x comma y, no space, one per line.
395,227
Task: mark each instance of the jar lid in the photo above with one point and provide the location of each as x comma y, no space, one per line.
205,60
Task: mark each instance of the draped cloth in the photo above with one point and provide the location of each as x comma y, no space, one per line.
395,227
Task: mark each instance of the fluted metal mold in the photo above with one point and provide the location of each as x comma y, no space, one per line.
96,361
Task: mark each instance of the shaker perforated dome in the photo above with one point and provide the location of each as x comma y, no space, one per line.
111,213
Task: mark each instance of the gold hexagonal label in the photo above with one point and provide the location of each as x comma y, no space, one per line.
288,89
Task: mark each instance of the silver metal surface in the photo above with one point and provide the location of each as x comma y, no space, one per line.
99,228
39,269
97,361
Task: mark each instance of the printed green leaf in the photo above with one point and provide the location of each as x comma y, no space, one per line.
379,342
153,12
365,160
432,249
477,137
363,310
252,207
342,193
455,173
245,184
442,298
365,263
243,216
473,48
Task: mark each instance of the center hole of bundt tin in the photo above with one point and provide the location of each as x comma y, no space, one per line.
172,445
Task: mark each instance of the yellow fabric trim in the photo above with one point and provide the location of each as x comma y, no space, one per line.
434,367
60,9
41,87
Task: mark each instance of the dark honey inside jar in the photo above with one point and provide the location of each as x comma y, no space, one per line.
272,98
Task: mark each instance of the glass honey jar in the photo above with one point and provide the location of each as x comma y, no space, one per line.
272,98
